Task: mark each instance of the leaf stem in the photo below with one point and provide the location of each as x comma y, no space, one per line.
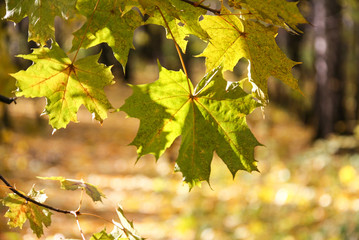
178,51
81,198
87,28
215,11
32,200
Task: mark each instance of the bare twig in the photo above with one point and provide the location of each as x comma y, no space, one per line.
32,200
215,11
76,214
96,216
7,100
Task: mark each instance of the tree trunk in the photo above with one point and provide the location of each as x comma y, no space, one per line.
328,65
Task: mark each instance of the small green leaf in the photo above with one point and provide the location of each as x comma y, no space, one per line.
65,85
102,236
124,229
71,184
21,210
212,119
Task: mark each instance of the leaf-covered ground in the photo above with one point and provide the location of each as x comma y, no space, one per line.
304,190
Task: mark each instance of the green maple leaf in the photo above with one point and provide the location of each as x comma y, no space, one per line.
182,19
213,119
71,184
21,210
66,86
112,22
233,39
278,12
102,236
124,229
41,15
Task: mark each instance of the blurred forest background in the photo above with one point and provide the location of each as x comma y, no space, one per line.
308,185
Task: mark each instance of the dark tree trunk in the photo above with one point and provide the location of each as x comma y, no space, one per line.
328,65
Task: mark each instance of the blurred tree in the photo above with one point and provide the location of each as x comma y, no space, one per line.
329,56
351,37
6,83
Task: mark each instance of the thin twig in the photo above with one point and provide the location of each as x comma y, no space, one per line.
215,11
7,100
97,216
78,225
178,51
32,200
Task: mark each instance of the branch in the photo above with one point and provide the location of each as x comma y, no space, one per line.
215,11
32,200
7,100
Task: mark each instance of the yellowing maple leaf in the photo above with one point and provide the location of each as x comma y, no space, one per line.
21,210
65,85
233,39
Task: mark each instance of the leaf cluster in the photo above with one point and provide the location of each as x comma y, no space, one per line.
210,117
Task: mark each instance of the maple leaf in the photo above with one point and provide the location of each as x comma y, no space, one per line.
41,15
65,85
278,12
102,236
233,39
182,19
72,184
212,119
112,22
124,229
20,210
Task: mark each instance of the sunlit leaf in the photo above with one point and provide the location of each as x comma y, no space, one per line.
212,119
124,228
102,236
233,39
65,85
